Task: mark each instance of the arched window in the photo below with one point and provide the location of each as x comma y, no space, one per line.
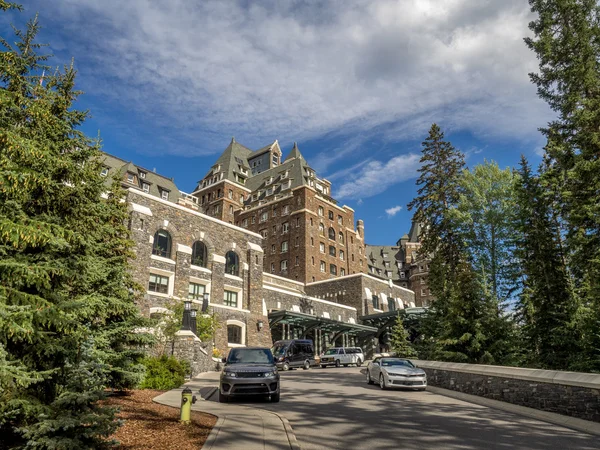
341,235
234,334
331,233
162,244
199,254
232,263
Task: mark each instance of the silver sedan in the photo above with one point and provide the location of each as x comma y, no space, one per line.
396,372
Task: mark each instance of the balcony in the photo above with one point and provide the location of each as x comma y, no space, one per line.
188,200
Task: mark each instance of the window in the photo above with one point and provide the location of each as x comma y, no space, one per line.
272,267
164,194
312,260
312,242
341,237
297,260
219,193
216,209
332,251
199,254
391,304
322,266
321,229
274,229
275,159
331,233
330,215
142,175
230,298
286,210
297,241
273,248
274,213
332,269
146,187
162,244
342,255
232,263
422,280
352,257
321,210
375,302
130,178
283,265
387,264
230,209
322,247
230,194
284,246
245,222
342,272
340,220
158,283
234,334
402,275
104,172
241,198
264,216
285,227
311,222
196,291
253,219
264,232
423,292
297,222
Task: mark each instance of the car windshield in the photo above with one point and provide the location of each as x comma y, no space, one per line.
278,350
250,356
331,351
396,362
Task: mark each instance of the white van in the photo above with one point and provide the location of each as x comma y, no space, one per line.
342,356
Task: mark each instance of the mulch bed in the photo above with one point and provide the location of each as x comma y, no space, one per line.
149,425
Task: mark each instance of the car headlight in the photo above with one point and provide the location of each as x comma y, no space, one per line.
269,374
281,358
230,374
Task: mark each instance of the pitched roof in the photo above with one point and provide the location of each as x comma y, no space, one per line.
378,255
415,232
295,154
119,167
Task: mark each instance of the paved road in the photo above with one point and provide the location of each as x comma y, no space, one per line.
335,408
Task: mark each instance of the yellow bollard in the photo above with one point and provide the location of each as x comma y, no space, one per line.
187,399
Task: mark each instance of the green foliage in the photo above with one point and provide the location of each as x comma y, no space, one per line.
67,311
401,344
164,373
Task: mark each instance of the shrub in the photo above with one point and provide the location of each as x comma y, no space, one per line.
164,373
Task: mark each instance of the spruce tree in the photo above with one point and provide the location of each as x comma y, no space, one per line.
400,340
566,41
67,312
547,306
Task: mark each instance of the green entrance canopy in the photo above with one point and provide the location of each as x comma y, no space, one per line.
310,322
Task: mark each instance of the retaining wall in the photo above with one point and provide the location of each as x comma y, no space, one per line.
570,393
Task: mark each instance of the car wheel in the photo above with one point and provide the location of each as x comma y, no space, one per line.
369,381
306,365
337,363
358,363
223,398
286,366
381,381
275,398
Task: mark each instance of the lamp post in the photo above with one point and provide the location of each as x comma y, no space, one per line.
186,321
193,313
205,302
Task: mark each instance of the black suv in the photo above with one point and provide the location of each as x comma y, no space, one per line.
249,371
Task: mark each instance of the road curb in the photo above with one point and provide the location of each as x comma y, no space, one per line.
214,433
573,423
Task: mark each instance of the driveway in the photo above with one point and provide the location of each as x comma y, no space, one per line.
335,408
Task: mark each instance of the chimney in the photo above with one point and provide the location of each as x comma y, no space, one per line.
360,227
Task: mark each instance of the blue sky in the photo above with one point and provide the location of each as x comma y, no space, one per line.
356,83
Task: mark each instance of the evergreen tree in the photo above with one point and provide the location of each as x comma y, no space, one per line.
67,312
547,306
400,340
566,40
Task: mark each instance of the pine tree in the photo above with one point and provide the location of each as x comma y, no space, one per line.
67,312
547,306
566,37
400,340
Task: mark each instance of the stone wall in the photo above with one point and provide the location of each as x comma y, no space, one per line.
357,291
197,353
569,393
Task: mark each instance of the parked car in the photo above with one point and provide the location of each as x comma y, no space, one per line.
345,356
294,353
249,371
396,372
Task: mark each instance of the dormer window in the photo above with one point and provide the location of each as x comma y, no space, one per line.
285,174
275,159
142,175
104,172
130,178
146,187
164,194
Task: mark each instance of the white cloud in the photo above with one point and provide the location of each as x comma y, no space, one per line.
391,212
202,71
376,176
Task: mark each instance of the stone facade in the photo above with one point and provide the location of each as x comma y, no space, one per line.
359,291
185,227
197,353
568,393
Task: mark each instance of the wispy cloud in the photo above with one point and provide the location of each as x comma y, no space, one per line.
202,71
376,176
391,212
